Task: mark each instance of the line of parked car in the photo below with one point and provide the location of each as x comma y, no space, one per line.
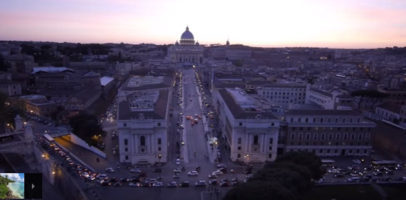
364,173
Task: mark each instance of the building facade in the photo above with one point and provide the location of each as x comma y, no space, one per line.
187,51
250,130
328,132
283,94
142,119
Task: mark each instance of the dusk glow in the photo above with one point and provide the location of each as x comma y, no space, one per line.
324,23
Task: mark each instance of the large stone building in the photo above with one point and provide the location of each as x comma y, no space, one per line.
283,94
187,51
142,119
256,132
327,132
250,129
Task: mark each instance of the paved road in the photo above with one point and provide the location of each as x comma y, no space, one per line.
195,138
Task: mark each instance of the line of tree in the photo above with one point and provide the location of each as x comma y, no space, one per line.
290,176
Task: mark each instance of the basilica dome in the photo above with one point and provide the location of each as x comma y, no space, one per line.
187,35
187,38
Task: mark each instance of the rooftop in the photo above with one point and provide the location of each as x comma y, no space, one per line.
157,107
50,69
146,82
245,106
322,112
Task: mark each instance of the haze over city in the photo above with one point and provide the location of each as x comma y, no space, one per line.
203,99
315,23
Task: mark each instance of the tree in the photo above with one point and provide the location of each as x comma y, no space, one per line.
287,178
8,112
87,127
259,190
306,159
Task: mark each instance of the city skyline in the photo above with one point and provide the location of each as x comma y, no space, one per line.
315,23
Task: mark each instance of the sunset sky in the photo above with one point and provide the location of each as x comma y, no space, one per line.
268,23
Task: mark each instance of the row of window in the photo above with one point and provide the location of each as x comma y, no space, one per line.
284,97
326,120
347,129
255,142
336,136
335,151
158,124
329,143
142,141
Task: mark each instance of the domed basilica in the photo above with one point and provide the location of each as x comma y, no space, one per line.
187,51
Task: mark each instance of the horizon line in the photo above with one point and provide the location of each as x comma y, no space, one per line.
206,45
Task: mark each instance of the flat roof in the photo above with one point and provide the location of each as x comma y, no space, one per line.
158,111
251,110
50,69
146,82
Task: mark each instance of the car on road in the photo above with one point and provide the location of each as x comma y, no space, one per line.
200,183
217,173
177,161
131,184
193,173
135,170
221,165
157,184
212,176
172,184
213,182
185,184
177,171
111,170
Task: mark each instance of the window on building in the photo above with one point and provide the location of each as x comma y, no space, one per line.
239,148
239,141
126,149
159,148
125,124
126,157
240,123
159,123
142,140
270,140
238,155
142,150
270,155
159,141
255,139
125,141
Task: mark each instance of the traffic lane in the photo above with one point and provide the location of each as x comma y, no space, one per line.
195,134
85,155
